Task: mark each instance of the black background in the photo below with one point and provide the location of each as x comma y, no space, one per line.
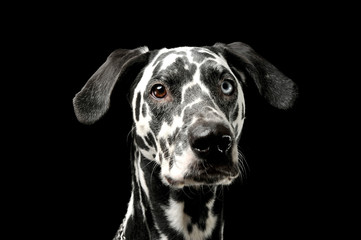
72,181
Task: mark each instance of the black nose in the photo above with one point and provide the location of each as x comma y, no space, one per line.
208,138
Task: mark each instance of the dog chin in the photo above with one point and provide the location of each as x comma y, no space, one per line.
188,170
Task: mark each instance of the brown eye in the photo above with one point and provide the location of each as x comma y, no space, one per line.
158,91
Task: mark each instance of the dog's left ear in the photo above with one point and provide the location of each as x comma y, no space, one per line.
92,102
274,86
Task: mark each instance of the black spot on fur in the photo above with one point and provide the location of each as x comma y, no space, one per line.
151,141
140,142
191,93
144,110
212,75
235,113
176,132
160,157
189,228
137,106
164,148
171,162
195,204
243,113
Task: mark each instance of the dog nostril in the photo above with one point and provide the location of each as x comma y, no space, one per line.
224,143
201,145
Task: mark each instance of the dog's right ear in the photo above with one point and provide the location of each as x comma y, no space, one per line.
273,85
92,102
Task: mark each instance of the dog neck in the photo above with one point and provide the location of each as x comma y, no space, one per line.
156,211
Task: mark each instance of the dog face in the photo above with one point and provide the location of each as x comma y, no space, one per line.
188,110
188,105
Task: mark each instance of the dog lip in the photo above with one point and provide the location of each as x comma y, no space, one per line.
209,180
204,174
209,177
212,175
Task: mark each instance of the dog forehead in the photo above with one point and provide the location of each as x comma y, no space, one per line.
193,55
169,60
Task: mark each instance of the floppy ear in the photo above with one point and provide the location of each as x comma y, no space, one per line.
274,86
92,102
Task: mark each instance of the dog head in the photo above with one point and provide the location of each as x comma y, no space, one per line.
188,105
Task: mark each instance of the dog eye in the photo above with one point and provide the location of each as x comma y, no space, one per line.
227,87
158,91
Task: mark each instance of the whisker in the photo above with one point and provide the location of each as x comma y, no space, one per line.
130,134
243,165
154,167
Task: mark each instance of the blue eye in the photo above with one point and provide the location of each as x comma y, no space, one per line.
227,87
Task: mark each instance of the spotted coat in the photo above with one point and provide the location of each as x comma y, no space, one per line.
188,110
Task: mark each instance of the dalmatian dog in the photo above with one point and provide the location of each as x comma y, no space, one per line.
188,109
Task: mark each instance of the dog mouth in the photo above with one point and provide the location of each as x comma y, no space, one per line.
206,174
